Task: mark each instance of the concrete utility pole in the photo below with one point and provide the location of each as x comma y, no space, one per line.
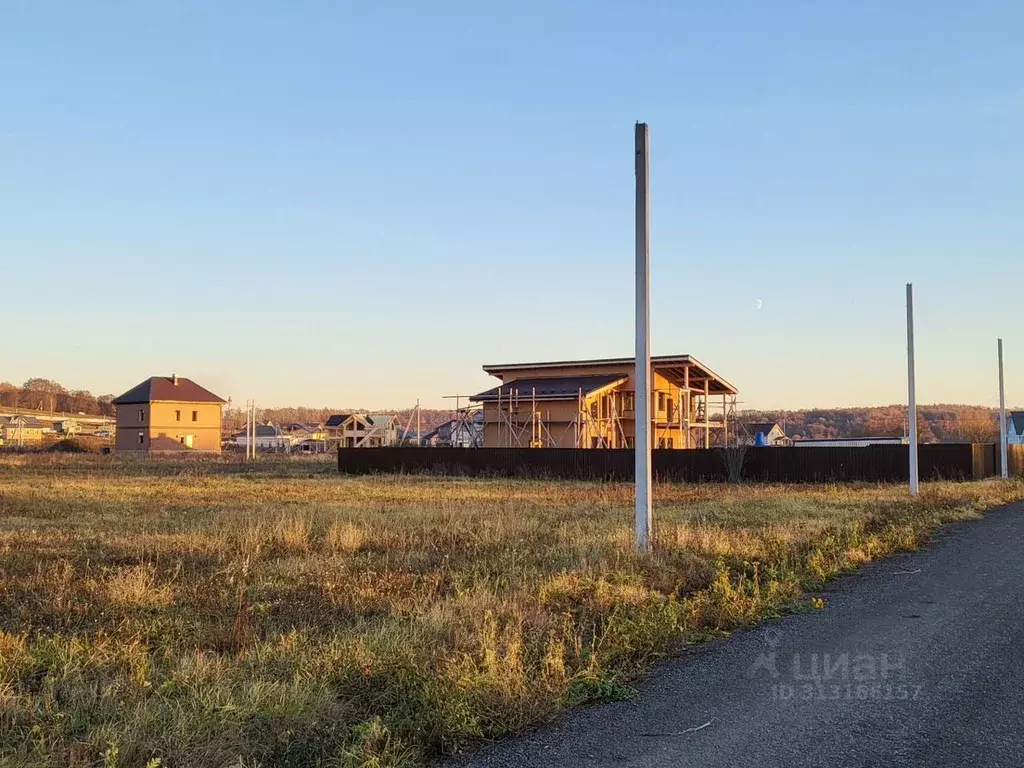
642,442
250,429
1005,471
912,410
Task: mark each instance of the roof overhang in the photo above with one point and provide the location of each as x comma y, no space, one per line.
672,367
542,389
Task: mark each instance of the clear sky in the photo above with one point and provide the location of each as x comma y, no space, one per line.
360,203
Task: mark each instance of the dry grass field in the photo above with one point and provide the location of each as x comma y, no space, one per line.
210,614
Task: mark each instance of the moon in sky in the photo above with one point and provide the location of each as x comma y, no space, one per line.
759,304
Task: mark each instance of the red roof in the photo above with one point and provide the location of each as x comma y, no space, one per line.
175,389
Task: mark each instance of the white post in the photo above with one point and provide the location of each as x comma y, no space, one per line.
1005,472
912,410
419,435
254,428
642,443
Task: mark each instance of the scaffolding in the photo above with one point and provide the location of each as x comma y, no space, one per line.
588,404
601,421
466,426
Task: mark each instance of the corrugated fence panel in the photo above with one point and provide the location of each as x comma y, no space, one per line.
876,463
1014,460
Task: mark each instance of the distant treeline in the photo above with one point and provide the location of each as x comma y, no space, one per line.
51,397
935,423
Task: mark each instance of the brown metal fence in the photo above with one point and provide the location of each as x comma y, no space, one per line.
876,463
1014,460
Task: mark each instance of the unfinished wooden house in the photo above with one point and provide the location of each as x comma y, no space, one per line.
361,430
590,404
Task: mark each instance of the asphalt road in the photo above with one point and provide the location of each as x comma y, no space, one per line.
916,660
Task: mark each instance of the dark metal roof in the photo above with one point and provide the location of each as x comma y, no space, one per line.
549,387
763,427
597,361
1016,418
338,419
671,366
27,422
298,426
164,388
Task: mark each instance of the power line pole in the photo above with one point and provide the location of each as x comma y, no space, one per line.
250,429
642,442
1005,471
912,410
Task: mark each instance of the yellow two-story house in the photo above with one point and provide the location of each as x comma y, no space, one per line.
166,414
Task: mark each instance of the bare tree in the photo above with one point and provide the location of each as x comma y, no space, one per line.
733,457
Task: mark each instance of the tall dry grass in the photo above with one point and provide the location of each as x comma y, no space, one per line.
216,614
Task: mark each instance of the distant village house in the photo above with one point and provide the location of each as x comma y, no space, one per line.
1015,428
767,433
362,430
21,429
269,437
464,431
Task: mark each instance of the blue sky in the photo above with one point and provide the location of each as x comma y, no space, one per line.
360,203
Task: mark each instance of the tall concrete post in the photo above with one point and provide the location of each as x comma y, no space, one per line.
642,441
1005,471
912,410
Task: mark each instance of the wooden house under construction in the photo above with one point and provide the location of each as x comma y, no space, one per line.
591,404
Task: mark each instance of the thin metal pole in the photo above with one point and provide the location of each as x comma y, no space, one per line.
725,422
1005,471
642,444
419,431
707,413
911,386
686,383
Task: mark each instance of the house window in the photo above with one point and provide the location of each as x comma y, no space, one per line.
668,443
142,437
661,401
177,415
628,403
195,415
142,414
593,410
